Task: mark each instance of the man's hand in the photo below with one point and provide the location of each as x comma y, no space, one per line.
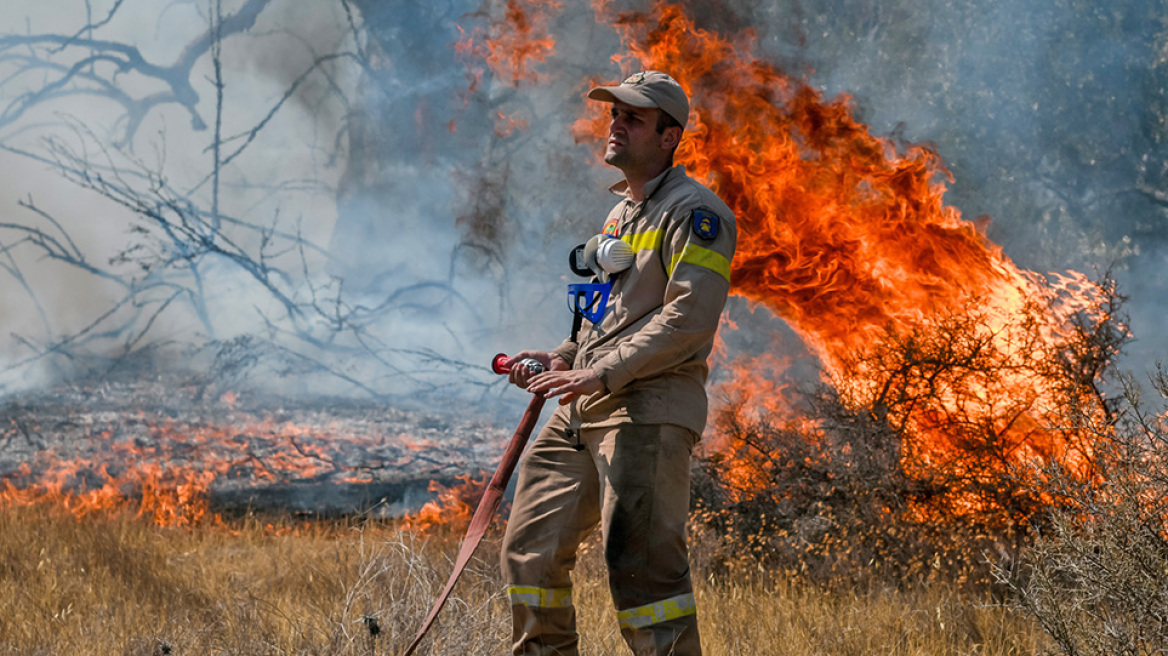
522,377
569,384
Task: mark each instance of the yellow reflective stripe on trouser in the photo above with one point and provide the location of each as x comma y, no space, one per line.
645,240
703,257
522,595
658,611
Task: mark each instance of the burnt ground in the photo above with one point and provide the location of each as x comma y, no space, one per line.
256,452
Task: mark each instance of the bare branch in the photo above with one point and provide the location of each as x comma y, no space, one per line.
125,59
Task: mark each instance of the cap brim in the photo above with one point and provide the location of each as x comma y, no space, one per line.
624,94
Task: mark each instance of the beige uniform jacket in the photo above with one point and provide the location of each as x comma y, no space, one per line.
650,348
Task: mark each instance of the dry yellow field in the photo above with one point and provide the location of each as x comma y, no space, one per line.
122,586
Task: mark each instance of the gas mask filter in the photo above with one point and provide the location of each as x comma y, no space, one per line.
602,256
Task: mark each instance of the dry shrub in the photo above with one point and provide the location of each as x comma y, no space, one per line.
923,456
837,507
1097,577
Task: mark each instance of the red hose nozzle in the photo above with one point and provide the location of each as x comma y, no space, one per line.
499,364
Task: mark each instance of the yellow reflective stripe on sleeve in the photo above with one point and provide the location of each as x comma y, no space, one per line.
703,257
522,595
645,240
658,611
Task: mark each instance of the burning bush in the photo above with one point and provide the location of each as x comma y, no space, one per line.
923,453
834,505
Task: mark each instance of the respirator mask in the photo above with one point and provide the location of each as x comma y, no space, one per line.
603,256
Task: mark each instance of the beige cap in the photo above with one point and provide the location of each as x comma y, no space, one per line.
648,89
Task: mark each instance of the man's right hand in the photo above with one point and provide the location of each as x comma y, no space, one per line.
521,376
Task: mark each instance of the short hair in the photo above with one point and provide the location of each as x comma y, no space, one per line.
665,121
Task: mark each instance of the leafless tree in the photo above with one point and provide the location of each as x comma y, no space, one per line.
180,236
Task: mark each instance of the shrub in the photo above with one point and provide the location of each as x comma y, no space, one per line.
1096,578
925,455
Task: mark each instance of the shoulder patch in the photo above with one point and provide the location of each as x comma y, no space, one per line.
705,224
610,228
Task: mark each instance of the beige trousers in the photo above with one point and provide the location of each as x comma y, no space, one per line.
634,481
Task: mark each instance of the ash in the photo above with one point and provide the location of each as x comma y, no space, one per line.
253,452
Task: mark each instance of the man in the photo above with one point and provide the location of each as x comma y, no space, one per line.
632,400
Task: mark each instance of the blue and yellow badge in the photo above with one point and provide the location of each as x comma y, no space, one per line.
705,224
610,228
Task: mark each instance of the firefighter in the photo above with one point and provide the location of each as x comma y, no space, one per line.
632,399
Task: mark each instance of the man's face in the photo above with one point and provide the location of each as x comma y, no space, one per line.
633,141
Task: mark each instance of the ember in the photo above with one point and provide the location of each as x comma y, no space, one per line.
177,460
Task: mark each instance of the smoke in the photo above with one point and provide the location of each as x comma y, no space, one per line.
108,121
448,194
1051,117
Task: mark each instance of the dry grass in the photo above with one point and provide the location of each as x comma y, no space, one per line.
121,586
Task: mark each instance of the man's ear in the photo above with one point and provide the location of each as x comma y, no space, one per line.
671,137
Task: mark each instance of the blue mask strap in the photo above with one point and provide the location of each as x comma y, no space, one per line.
589,299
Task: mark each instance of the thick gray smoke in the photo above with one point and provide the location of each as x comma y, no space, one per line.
450,229
1053,118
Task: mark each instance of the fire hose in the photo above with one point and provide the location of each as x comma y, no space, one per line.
493,495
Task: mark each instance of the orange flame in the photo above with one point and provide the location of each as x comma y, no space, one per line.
513,46
453,508
168,496
167,477
841,233
846,236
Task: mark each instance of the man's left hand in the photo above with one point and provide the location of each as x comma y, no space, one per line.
569,384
